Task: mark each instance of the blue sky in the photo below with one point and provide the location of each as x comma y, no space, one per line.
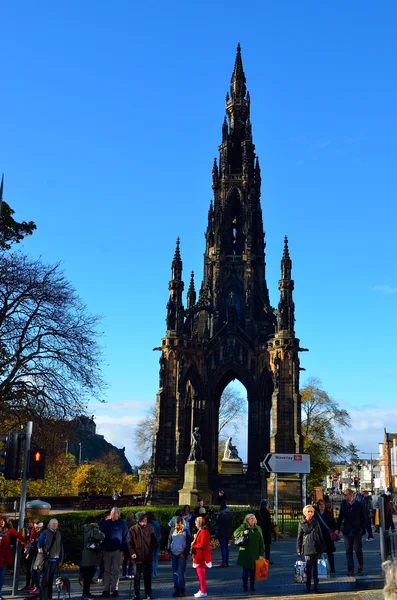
111,118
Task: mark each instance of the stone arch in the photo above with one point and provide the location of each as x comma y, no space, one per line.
226,373
234,222
193,393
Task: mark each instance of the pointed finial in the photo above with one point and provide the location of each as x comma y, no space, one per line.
286,263
177,255
225,130
238,88
191,284
286,250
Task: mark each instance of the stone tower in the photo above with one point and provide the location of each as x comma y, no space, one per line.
230,331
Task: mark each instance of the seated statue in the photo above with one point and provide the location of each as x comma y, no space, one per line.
230,450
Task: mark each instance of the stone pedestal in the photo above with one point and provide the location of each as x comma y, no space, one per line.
195,484
289,488
231,466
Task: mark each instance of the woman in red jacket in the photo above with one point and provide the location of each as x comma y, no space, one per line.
201,552
6,555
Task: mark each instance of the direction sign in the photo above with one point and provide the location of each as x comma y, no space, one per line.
287,463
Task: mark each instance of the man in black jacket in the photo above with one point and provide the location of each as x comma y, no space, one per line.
224,527
352,514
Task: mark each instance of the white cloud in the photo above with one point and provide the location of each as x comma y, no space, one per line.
118,430
386,289
368,424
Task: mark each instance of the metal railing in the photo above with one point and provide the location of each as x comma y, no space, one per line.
289,515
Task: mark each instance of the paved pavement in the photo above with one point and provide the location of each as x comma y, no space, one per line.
226,583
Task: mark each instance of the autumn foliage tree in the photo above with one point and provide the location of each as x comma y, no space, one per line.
323,421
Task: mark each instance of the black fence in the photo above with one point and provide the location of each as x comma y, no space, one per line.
289,515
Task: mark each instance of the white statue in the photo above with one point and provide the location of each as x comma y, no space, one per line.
230,450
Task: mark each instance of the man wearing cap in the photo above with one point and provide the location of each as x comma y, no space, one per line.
116,537
141,543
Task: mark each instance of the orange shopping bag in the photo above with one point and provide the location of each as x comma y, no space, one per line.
261,568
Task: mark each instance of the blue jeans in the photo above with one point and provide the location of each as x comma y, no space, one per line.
178,569
224,544
2,575
248,572
155,560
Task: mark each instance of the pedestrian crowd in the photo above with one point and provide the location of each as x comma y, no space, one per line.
134,544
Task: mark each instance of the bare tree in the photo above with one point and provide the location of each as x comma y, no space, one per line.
144,432
49,350
231,412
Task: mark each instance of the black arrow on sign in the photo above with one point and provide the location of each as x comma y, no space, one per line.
266,463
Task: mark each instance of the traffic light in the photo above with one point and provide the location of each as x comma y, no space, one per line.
12,454
356,482
36,463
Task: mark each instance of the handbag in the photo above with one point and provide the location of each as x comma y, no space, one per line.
334,536
39,561
261,569
300,571
93,544
242,540
323,567
30,550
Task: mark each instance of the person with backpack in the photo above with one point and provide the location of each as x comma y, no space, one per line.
92,553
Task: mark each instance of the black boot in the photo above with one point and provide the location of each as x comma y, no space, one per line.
252,583
245,584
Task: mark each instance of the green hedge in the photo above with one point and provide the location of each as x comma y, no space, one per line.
71,526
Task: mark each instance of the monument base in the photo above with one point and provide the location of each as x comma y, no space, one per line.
195,484
231,466
289,488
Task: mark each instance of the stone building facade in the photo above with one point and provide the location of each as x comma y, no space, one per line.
229,330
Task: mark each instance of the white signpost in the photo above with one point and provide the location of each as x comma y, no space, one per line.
287,463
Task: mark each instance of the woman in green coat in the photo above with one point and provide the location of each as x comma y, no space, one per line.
250,551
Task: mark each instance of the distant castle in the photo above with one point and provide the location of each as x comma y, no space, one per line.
93,445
